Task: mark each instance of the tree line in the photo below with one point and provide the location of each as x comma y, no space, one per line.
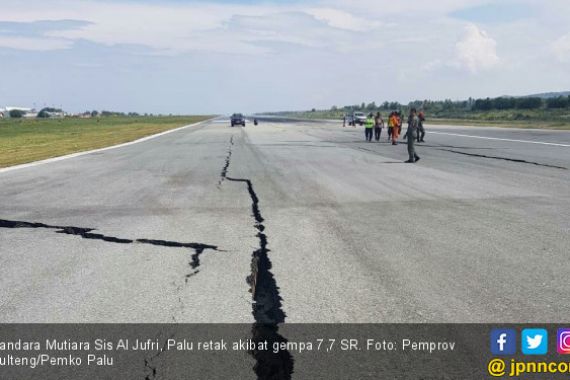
484,104
47,112
105,113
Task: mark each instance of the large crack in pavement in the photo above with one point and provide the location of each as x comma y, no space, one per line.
267,308
86,233
504,159
224,173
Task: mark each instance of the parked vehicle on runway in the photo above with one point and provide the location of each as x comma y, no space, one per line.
355,118
237,119
358,118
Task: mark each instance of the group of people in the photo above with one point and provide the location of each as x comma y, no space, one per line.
415,132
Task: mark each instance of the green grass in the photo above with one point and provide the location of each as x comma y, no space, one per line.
23,141
556,125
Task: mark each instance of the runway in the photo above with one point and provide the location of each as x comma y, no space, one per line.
300,221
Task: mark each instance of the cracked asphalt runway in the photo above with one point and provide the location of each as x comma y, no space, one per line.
342,230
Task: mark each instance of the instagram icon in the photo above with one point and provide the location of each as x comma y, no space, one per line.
563,341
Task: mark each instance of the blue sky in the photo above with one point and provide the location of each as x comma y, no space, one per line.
498,12
227,56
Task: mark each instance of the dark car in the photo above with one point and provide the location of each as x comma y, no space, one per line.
238,119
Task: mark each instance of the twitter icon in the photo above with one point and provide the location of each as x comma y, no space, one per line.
534,341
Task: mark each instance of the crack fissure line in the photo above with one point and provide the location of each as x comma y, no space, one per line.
504,159
86,233
267,303
224,173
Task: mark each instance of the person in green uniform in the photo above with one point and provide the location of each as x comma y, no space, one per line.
413,122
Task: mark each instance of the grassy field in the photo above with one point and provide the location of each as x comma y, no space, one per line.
23,141
557,125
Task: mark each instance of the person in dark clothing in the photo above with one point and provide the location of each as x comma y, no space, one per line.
421,130
413,122
378,125
369,127
390,126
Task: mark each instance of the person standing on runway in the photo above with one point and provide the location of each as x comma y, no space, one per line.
395,128
369,127
390,126
421,130
378,125
413,122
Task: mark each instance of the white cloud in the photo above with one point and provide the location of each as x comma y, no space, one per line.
343,20
561,48
177,28
477,51
34,44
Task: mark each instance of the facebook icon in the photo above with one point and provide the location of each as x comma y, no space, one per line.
503,342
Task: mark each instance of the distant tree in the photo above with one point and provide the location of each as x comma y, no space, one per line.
447,105
94,113
313,110
395,106
559,102
47,111
363,106
483,104
112,113
16,114
504,103
528,103
417,104
371,106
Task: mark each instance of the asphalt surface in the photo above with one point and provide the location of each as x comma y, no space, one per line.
323,226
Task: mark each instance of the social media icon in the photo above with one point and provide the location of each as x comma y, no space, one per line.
563,341
534,341
503,342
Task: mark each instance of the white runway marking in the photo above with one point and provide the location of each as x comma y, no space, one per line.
499,139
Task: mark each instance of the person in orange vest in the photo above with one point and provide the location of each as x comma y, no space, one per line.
395,128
